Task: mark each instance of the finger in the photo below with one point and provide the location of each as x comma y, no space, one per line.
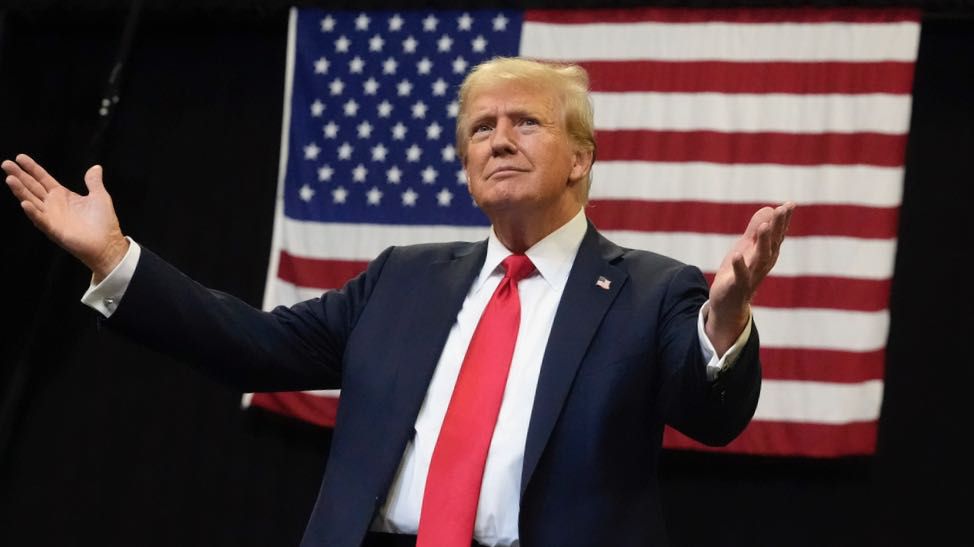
765,248
28,182
93,179
36,217
37,171
741,271
22,193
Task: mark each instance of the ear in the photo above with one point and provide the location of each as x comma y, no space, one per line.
581,164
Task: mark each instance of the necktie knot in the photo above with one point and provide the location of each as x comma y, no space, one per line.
518,267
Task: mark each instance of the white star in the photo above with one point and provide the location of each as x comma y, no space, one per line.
362,22
331,130
321,66
306,193
462,177
338,195
464,22
327,24
374,196
424,66
500,22
459,65
384,109
342,43
439,87
444,197
429,175
364,130
370,86
359,173
419,109
351,107
345,151
395,23
356,65
317,108
479,44
429,24
444,43
376,43
311,151
433,131
389,66
404,88
449,153
325,172
394,175
398,131
336,86
409,198
452,109
409,45
379,152
413,153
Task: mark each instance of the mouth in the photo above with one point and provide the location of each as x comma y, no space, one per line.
504,171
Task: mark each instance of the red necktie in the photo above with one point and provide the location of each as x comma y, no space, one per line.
457,468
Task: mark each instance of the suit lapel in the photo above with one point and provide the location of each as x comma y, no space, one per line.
434,309
592,287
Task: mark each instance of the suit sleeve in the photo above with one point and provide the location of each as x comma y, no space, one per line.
711,412
296,348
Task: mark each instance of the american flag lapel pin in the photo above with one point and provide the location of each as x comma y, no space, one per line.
603,282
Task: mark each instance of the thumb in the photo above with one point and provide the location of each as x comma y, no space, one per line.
93,179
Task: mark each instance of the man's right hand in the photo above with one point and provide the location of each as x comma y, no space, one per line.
85,226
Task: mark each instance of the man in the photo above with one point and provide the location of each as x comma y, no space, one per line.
511,391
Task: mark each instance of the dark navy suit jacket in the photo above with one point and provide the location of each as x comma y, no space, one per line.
620,363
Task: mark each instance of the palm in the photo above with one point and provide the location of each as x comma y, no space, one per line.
85,226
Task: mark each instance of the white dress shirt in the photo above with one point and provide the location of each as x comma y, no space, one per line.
497,512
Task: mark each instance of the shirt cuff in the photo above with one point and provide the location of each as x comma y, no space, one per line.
105,296
716,363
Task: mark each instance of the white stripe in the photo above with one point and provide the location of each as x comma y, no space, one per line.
722,41
345,241
828,256
771,112
825,256
795,328
819,402
748,183
276,236
840,330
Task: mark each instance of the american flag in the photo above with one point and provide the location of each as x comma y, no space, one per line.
702,117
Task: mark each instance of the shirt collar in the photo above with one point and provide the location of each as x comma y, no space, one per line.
553,256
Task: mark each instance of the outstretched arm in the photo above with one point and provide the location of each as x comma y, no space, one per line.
742,270
85,226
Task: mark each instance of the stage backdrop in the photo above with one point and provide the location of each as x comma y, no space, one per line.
702,116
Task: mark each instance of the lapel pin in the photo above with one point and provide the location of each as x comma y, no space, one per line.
603,282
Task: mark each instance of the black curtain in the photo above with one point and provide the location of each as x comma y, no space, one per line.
106,443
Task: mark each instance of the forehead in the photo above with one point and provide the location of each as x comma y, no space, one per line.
513,96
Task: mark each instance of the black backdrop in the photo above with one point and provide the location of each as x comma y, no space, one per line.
105,443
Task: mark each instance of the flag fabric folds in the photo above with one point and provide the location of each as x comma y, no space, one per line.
702,117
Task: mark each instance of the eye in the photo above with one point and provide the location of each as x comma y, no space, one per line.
480,128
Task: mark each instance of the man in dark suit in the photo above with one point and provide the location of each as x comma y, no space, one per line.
604,345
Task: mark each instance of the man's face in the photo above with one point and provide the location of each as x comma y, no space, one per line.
520,159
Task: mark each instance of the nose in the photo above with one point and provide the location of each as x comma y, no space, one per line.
503,139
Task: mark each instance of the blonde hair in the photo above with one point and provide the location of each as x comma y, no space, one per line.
568,82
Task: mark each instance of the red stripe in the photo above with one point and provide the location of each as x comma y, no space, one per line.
314,409
813,365
732,148
316,273
732,218
746,77
840,293
729,15
776,291
790,439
